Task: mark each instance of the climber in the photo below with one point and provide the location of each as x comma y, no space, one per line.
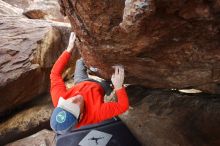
83,103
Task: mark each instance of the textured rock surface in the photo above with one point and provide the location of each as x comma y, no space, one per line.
164,118
42,138
162,44
41,9
26,121
28,49
19,3
7,9
37,9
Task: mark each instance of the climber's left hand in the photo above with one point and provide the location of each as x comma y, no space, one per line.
71,42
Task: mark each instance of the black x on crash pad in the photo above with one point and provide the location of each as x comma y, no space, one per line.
111,132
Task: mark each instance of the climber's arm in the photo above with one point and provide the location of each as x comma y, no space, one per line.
58,88
111,109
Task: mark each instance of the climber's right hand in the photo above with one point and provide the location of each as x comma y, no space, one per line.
118,77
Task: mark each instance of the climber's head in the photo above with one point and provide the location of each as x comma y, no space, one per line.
67,114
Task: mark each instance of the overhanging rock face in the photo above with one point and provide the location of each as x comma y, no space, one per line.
161,44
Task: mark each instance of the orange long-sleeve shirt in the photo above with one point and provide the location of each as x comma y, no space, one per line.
95,109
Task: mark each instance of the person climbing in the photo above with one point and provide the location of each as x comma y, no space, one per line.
83,103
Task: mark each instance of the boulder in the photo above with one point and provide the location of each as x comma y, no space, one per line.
27,120
170,118
161,44
28,50
42,138
40,9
